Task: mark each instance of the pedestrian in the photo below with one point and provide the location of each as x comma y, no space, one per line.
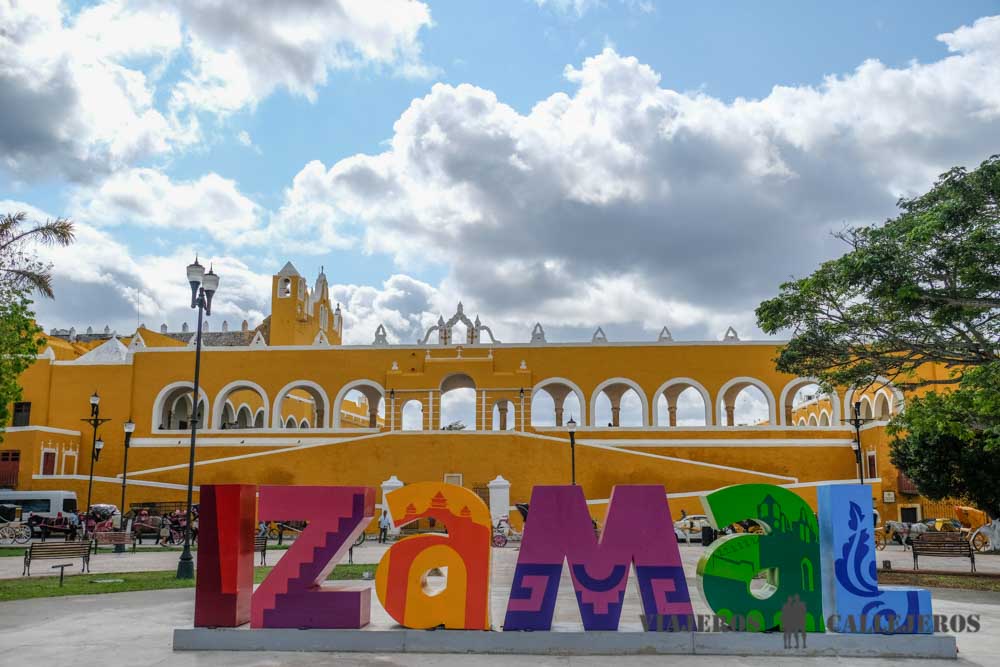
164,531
383,527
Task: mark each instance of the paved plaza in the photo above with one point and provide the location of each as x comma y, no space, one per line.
136,628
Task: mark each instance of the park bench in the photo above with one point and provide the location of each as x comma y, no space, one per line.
56,551
113,537
943,545
260,546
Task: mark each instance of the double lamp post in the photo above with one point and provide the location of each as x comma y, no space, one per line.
95,420
203,287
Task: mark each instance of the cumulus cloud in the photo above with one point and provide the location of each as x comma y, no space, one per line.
242,52
86,91
70,106
628,201
148,198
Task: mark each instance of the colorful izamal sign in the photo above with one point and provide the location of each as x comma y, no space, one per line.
818,572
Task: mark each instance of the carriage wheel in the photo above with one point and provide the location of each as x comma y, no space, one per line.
499,540
361,539
6,535
980,542
272,534
22,534
880,541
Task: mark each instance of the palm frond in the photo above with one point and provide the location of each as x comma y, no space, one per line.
37,280
52,232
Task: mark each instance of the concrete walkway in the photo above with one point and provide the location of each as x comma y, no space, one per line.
371,552
136,628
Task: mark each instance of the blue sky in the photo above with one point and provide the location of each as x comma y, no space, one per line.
607,229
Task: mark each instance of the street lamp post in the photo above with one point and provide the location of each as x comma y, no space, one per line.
203,287
95,451
571,427
857,421
129,429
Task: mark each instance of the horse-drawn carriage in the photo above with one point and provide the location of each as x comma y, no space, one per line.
972,523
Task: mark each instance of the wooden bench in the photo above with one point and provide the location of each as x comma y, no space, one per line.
260,546
56,551
943,545
113,537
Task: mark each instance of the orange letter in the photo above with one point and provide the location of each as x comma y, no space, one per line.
400,581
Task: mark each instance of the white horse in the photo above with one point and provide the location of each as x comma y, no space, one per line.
906,531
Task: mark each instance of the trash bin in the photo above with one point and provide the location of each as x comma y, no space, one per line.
707,535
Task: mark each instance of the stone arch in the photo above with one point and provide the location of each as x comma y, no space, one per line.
228,415
825,418
883,406
727,399
615,388
290,423
896,403
801,422
168,396
372,391
813,421
503,415
244,417
318,394
672,389
558,389
458,382
788,395
867,409
223,396
304,423
413,419
259,418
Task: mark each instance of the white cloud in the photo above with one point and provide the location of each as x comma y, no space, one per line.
626,201
86,93
148,198
242,52
71,106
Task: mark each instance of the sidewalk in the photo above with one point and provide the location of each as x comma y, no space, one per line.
130,629
371,552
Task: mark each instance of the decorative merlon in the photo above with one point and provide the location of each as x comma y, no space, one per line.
731,336
538,334
381,338
599,336
258,340
665,336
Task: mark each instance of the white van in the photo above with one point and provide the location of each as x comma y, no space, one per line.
43,503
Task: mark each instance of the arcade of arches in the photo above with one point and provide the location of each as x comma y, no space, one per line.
287,404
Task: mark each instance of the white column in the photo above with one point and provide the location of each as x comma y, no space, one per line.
392,413
388,486
484,426
430,412
521,412
499,498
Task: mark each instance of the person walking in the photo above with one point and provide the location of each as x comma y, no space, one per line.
383,527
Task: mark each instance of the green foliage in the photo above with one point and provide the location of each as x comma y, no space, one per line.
923,287
20,341
948,442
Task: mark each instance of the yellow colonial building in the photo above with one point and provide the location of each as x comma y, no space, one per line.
287,403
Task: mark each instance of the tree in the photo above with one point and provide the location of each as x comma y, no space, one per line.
924,287
948,443
19,269
19,343
20,274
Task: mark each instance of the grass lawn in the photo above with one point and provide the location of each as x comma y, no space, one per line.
12,551
969,582
90,584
